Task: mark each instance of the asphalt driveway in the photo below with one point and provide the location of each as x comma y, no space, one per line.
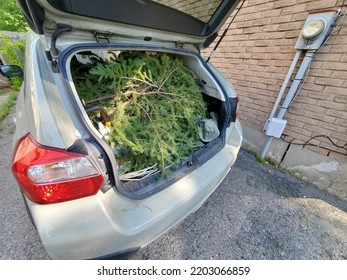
258,212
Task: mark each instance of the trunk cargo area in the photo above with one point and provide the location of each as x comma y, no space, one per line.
162,114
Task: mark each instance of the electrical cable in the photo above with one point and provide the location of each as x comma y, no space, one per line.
306,143
327,137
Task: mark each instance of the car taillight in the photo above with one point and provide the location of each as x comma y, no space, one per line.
234,101
50,175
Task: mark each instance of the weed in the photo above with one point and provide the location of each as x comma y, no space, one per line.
260,159
280,247
266,160
6,107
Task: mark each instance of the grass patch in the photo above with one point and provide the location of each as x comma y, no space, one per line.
6,107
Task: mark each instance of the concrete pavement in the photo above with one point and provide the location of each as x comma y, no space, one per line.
258,212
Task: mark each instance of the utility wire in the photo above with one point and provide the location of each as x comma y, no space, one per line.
307,143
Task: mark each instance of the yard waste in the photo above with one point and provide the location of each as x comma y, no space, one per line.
146,104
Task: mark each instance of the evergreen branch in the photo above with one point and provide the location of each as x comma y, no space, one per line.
139,80
155,106
168,76
99,99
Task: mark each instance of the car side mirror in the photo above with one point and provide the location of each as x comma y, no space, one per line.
10,71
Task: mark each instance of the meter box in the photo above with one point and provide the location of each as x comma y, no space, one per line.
315,29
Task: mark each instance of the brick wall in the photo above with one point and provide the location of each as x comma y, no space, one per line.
256,55
201,9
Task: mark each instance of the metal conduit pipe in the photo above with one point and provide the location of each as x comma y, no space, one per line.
290,95
284,86
312,37
295,85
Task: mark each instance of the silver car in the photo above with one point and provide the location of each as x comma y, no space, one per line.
81,204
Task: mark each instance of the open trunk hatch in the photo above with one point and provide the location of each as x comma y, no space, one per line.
161,113
188,21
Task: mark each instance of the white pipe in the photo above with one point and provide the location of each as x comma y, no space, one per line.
266,147
295,85
284,86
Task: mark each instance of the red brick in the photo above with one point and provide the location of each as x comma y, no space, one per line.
317,5
339,136
338,49
322,96
335,90
294,9
329,57
334,127
284,3
341,99
269,28
303,131
315,129
292,34
340,115
329,82
338,156
275,35
332,105
244,24
316,109
281,19
275,88
259,37
278,75
322,73
250,17
261,21
290,26
300,16
271,13
285,42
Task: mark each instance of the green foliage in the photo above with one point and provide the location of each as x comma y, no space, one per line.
155,104
11,18
6,107
14,52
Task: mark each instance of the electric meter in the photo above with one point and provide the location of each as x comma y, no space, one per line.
313,29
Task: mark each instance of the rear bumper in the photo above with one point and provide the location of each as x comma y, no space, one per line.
109,223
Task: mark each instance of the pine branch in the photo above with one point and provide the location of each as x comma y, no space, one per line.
155,107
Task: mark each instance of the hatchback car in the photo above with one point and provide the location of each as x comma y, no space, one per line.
80,200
